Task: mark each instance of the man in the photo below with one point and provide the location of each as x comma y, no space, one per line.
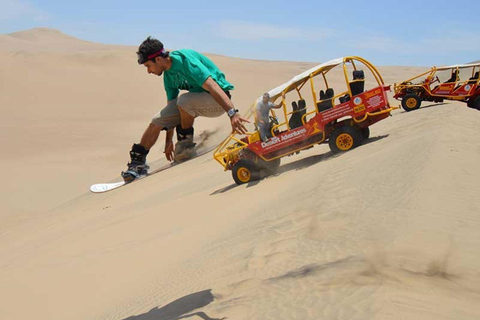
208,96
262,109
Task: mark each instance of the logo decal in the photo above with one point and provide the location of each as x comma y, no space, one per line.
357,100
284,137
314,129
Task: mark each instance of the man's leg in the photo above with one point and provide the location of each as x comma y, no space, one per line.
138,163
150,136
138,154
185,147
263,131
186,120
168,118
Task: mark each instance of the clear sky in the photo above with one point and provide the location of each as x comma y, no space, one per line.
417,33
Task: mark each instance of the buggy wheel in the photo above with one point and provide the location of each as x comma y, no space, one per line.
365,133
244,171
411,102
271,167
344,138
475,104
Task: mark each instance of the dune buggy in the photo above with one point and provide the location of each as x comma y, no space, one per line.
459,82
341,118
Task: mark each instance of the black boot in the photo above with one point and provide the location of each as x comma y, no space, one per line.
137,166
185,147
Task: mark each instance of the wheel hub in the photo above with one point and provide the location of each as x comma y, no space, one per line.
344,142
411,102
244,174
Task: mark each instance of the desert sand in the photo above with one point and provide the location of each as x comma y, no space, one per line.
389,230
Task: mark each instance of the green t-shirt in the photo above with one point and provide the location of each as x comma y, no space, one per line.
189,71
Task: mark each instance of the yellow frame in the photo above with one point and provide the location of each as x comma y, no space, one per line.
431,73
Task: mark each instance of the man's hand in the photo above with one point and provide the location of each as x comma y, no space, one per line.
169,150
237,124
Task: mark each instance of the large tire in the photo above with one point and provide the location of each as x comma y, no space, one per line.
411,102
365,133
270,167
245,171
475,104
344,138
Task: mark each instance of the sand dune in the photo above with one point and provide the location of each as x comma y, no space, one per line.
386,231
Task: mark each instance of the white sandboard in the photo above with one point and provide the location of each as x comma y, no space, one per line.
104,187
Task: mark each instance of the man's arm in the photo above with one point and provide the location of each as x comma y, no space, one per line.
169,135
278,106
222,99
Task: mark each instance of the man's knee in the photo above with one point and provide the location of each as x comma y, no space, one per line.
154,125
164,123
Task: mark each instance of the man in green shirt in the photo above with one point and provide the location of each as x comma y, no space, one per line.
208,96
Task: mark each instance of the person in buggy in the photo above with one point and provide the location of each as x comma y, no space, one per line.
262,110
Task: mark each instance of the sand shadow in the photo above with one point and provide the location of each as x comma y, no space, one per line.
312,160
311,269
297,165
425,107
180,308
373,139
233,186
225,189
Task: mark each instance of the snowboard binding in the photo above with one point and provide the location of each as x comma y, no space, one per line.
137,167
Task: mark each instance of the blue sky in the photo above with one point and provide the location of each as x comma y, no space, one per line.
418,33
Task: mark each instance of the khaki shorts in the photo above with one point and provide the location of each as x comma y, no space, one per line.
196,104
